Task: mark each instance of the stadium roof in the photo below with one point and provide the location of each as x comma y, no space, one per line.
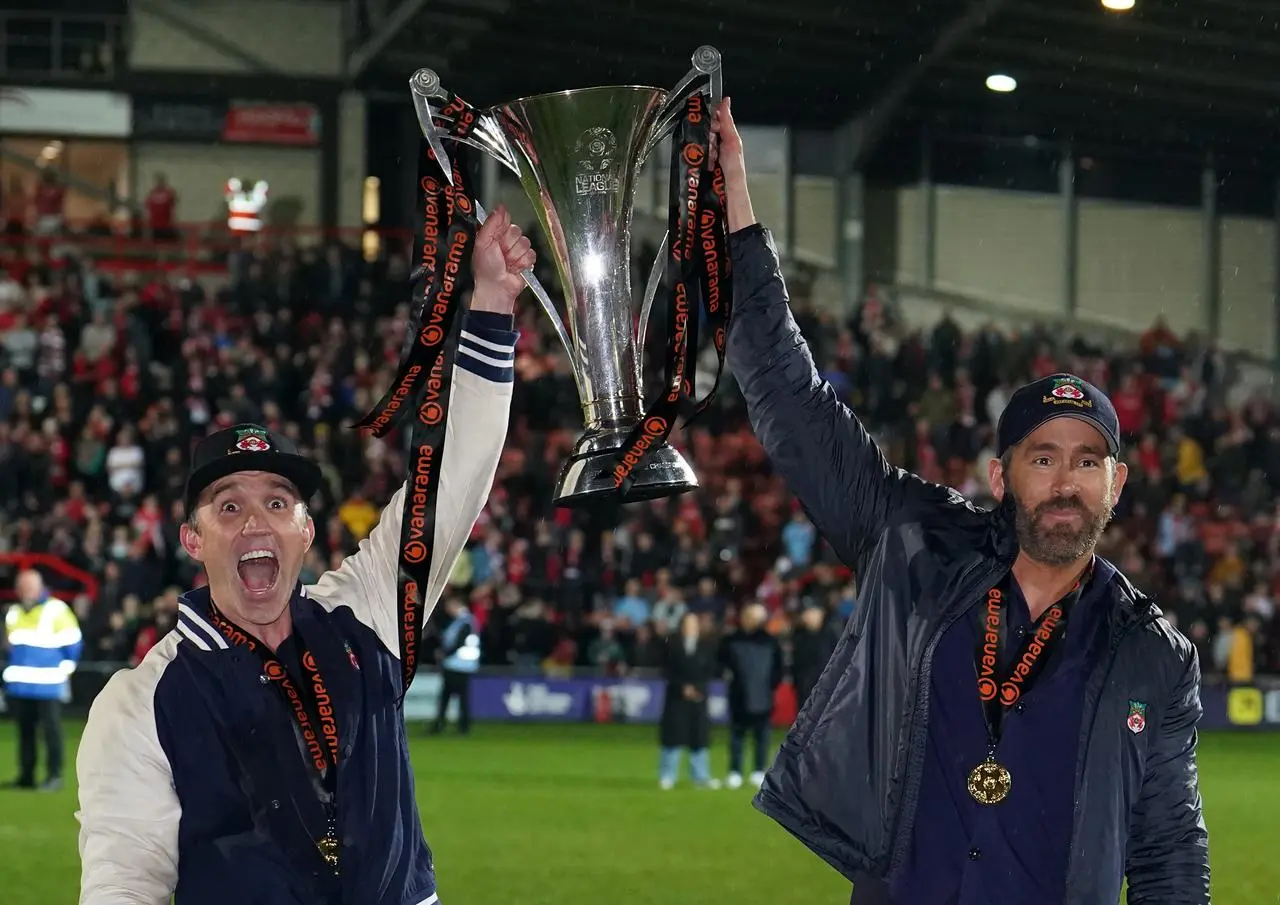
1186,76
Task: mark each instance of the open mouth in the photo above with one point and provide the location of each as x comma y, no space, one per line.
258,570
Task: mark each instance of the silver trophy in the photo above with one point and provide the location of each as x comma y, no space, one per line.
577,154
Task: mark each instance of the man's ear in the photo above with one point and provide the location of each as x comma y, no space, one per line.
995,478
191,541
309,532
1117,486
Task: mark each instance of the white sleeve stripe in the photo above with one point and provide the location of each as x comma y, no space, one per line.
489,344
493,362
191,636
198,622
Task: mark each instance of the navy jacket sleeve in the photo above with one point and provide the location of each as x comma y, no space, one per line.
1168,858
815,441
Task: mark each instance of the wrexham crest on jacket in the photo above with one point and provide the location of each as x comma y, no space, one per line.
1137,716
252,440
1068,391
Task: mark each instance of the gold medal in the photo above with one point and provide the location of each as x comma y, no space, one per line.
989,782
1001,689
329,848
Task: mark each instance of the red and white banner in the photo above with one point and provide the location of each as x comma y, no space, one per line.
272,124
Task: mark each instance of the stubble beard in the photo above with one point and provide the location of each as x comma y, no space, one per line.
1061,544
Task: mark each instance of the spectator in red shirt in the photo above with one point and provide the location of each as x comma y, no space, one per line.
161,202
1149,455
50,196
1131,407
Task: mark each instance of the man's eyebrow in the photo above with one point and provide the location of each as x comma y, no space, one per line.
222,487
285,485
1047,446
277,483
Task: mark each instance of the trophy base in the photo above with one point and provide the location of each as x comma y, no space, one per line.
587,477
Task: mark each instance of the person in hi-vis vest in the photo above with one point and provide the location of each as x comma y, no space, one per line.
44,641
460,658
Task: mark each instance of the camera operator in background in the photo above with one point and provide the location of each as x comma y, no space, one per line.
752,658
459,661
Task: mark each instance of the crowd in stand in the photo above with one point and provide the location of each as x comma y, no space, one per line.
106,382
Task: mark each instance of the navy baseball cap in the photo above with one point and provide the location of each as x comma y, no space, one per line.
1056,396
249,447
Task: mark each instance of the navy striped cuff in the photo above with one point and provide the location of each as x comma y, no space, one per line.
487,347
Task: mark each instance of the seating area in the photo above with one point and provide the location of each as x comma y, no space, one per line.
111,368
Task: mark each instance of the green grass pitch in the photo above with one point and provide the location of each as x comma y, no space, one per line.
572,815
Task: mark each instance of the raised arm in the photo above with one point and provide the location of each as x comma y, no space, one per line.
816,443
129,811
476,430
1168,856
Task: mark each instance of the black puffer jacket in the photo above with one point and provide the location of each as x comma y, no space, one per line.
846,781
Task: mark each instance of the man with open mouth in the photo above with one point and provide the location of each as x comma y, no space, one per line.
258,753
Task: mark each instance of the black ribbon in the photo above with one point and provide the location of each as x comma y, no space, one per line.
424,380
696,282
1001,685
310,704
717,273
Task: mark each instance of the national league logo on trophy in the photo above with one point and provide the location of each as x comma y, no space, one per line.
577,154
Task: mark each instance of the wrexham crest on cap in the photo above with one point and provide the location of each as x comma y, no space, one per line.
1137,716
1068,391
251,439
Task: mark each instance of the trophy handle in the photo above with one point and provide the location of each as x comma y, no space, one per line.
706,62
650,292
487,136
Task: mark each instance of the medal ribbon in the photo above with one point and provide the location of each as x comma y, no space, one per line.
696,283
424,381
1000,688
716,275
309,703
311,707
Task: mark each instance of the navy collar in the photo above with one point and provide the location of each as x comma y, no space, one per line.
1131,605
1002,531
195,626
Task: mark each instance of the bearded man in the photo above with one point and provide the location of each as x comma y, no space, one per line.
1006,718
